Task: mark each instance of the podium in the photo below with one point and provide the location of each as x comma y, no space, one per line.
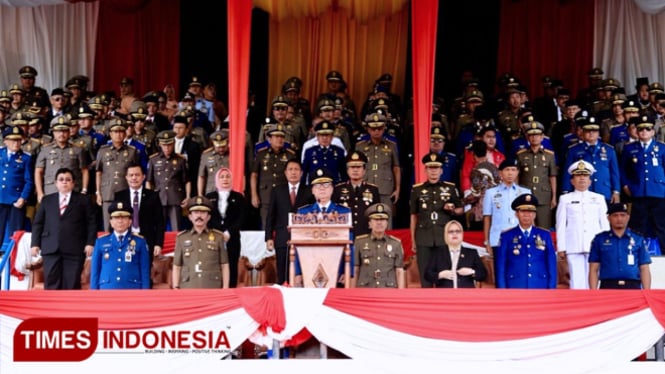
320,241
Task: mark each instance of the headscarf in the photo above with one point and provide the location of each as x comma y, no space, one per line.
217,181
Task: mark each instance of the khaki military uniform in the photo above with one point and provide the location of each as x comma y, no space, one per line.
508,123
381,158
427,202
147,138
535,172
112,163
378,260
44,139
51,158
358,201
294,134
599,106
200,256
269,166
31,146
606,129
168,176
211,162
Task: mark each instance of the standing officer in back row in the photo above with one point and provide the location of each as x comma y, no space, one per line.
17,183
200,259
355,193
538,172
379,257
433,203
60,154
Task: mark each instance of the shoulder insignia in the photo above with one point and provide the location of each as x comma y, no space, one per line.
418,184
521,151
104,236
572,145
208,150
154,154
217,231
448,183
182,232
371,184
548,151
364,236
138,235
394,238
289,150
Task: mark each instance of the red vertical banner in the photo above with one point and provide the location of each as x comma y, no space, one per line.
239,31
424,14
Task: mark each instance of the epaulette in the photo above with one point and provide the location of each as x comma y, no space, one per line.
521,151
105,146
394,238
289,150
105,235
610,146
572,145
449,183
371,184
131,146
138,235
217,231
178,155
182,232
548,151
340,184
154,155
417,184
362,236
75,144
208,150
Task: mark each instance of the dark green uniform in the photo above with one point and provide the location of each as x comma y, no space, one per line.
427,202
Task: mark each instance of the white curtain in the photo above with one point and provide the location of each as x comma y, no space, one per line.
629,43
57,40
651,6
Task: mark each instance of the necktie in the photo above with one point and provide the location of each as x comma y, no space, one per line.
63,205
292,195
526,233
135,207
120,237
323,210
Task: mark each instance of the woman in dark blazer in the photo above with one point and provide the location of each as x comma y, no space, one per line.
228,217
469,267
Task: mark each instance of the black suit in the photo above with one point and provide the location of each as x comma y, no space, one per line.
193,152
62,239
440,260
277,221
232,221
151,216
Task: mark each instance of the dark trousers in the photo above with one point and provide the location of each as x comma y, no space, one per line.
282,258
646,217
422,257
234,256
616,284
11,219
63,271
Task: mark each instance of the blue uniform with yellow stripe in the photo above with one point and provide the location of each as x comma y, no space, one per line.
606,180
526,261
120,264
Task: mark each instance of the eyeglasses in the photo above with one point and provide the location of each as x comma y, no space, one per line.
376,128
323,185
279,109
644,129
58,99
454,231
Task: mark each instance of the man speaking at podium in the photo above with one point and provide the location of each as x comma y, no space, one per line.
322,189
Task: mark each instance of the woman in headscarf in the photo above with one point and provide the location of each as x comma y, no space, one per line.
455,266
228,217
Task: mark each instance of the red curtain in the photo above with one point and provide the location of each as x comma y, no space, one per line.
139,39
546,37
239,31
424,14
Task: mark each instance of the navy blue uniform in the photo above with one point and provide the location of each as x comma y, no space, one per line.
16,183
331,158
620,258
120,265
526,262
606,180
644,175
